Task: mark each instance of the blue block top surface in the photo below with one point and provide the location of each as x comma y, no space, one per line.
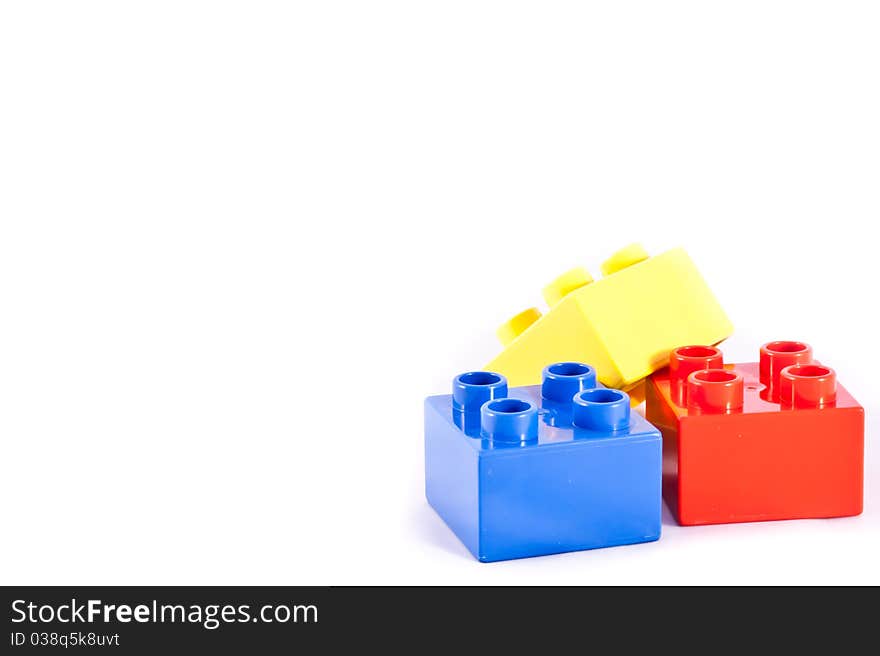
555,427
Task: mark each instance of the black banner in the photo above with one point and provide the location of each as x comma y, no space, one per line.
260,620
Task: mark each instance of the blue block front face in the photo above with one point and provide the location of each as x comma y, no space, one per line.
567,487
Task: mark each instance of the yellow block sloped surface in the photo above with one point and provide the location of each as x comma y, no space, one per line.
623,324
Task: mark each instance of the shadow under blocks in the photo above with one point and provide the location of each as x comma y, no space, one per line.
543,469
768,440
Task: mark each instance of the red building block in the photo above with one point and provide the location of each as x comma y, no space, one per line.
775,439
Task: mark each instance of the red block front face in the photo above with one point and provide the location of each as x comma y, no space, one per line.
779,439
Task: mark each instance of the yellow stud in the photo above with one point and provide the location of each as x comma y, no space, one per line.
625,257
514,327
565,284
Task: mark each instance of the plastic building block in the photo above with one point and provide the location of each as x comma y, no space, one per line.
529,471
624,324
775,439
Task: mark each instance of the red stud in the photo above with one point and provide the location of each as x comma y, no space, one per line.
776,356
807,386
715,391
683,361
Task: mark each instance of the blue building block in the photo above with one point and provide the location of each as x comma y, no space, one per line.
561,466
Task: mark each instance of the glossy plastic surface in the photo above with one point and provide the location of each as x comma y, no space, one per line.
733,454
684,361
624,324
526,475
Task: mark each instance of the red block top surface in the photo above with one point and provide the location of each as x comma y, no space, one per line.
753,392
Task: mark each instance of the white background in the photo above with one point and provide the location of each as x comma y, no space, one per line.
242,241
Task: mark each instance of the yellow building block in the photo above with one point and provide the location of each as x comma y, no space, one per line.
623,324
